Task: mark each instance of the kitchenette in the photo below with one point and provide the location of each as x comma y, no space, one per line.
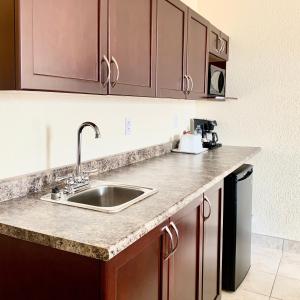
169,243
143,155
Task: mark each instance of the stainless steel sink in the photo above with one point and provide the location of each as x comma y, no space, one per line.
104,196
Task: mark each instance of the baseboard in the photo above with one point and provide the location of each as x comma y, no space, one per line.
265,241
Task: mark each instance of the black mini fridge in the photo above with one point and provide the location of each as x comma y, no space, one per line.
236,259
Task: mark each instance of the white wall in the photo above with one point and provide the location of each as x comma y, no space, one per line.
194,4
264,72
38,130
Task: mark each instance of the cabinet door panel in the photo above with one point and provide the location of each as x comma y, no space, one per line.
7,45
171,48
60,45
65,48
132,44
140,271
212,243
186,263
197,64
138,279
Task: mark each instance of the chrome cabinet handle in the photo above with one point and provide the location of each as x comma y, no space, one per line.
168,231
114,61
177,236
224,44
209,205
187,86
220,45
105,83
192,84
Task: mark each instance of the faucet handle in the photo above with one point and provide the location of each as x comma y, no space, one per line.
68,177
91,172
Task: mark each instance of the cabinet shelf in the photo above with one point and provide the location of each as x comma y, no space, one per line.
218,98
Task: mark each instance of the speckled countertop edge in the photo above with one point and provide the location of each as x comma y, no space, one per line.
108,251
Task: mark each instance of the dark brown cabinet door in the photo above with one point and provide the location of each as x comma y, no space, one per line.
186,263
61,44
218,43
171,48
197,55
140,271
7,46
212,250
132,38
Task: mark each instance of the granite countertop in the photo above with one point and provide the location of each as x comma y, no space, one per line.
179,179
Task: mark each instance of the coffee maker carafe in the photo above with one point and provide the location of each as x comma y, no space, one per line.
206,129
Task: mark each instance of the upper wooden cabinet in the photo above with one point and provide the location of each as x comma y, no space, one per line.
171,78
7,46
132,43
182,52
218,43
197,55
98,47
60,45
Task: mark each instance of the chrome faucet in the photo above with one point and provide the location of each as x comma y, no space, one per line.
80,180
78,172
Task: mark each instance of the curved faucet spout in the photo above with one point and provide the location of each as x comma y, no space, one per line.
97,135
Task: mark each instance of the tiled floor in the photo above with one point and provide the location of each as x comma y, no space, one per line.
274,274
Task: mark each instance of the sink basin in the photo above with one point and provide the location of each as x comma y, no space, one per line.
104,196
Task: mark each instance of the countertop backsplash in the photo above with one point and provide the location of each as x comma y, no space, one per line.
20,186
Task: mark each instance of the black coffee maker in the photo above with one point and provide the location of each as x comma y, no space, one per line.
206,129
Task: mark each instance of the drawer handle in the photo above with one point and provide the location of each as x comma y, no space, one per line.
209,205
168,231
105,83
177,236
114,61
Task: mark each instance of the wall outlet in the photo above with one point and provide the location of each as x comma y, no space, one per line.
128,126
176,122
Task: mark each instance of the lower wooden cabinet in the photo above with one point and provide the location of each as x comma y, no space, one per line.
178,260
140,271
186,262
212,242
181,259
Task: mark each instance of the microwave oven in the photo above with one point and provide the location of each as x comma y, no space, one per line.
216,81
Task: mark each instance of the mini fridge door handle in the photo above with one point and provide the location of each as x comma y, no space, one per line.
248,174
